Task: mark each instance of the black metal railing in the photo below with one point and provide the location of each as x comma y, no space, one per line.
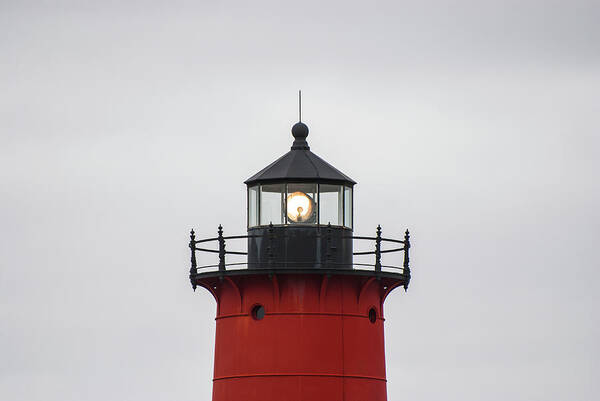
221,240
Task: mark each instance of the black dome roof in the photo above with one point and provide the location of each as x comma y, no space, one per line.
300,164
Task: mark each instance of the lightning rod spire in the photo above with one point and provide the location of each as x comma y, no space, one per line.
300,106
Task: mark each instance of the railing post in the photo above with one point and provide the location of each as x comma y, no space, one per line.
221,249
406,248
193,268
378,250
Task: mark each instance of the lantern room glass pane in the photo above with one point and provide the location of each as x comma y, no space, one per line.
301,204
271,204
253,206
348,207
330,204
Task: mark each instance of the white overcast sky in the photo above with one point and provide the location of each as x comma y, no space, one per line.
472,123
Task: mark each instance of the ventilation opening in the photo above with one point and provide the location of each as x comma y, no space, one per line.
258,312
372,315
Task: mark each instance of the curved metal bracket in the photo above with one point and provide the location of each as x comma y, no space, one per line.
363,288
237,291
386,292
323,291
210,289
275,283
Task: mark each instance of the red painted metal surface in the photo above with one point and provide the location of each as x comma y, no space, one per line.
315,343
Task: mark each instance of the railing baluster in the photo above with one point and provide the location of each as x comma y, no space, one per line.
406,248
193,268
221,249
378,249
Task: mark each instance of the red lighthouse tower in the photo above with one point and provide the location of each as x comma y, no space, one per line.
300,320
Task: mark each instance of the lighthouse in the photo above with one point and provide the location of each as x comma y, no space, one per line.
300,319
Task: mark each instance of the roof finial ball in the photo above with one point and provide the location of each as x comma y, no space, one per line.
300,130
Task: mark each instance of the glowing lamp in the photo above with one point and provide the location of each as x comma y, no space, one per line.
299,207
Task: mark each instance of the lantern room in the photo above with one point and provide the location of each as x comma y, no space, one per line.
300,203
303,197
